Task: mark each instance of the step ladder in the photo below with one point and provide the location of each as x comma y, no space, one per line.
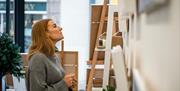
95,54
110,29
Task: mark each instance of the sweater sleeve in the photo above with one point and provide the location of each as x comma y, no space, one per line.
37,77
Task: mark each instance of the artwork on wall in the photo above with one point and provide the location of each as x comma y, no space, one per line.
150,5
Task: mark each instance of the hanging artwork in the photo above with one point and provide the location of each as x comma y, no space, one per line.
150,5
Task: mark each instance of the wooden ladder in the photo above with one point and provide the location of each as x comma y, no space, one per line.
95,54
118,60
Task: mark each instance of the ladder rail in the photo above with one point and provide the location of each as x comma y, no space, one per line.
110,27
95,54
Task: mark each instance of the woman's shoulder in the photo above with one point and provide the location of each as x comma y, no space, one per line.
39,54
37,61
38,57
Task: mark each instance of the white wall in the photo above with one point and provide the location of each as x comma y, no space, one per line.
157,48
75,23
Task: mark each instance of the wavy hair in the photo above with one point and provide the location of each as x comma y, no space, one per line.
40,39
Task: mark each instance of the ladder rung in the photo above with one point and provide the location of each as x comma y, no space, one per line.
89,62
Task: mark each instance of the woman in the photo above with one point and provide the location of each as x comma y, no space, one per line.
45,72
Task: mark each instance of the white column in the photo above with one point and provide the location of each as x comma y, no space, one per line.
53,8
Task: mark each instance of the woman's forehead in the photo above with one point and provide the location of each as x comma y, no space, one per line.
51,23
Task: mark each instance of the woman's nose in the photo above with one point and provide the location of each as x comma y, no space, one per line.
60,28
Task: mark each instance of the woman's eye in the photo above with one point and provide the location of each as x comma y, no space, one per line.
54,26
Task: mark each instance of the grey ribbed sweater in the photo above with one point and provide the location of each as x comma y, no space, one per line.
45,74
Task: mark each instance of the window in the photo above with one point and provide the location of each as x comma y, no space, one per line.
29,18
33,11
35,6
3,18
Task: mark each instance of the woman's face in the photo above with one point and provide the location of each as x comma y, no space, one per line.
54,31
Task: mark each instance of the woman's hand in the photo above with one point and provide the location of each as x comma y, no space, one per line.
69,79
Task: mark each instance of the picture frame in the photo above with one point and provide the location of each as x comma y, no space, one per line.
146,6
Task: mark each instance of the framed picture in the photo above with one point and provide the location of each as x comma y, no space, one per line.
150,5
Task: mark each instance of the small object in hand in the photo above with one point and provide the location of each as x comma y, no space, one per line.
70,89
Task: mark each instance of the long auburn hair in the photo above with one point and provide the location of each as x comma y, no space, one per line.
40,39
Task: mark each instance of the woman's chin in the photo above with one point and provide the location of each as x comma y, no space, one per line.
61,38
